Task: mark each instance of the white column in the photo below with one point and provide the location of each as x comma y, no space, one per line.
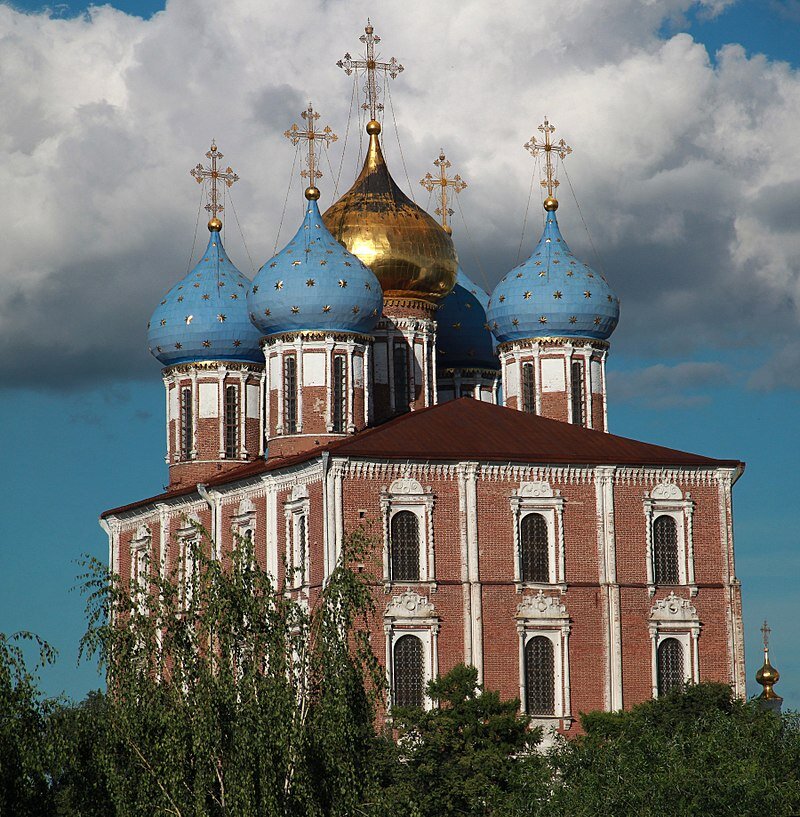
565,664
695,656
435,651
367,380
605,395
349,385
537,373
523,703
195,413
587,385
329,383
465,589
281,355
221,403
242,414
338,473
471,495
654,659
263,413
688,518
166,394
604,497
298,345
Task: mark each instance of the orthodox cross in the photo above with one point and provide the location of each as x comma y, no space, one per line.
560,148
216,175
443,181
370,65
765,631
325,136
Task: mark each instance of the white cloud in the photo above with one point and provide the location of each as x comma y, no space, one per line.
687,170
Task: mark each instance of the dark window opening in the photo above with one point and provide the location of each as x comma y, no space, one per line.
539,676
665,551
339,395
404,547
231,422
534,549
409,672
187,424
400,369
528,389
577,393
669,669
290,395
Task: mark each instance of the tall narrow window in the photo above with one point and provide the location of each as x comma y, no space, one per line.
534,549
231,422
665,551
539,676
669,669
408,672
187,424
404,547
577,393
339,395
400,370
528,389
290,394
302,548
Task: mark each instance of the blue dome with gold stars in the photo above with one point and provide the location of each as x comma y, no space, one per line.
204,316
462,338
552,294
314,284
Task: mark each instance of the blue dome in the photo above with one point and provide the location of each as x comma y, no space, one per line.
204,317
313,283
462,339
552,294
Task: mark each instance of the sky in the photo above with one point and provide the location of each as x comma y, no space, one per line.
683,187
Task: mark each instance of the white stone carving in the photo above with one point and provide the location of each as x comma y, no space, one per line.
666,491
246,507
405,485
299,492
541,607
142,533
535,489
410,605
672,609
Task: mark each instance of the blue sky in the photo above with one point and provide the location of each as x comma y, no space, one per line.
711,377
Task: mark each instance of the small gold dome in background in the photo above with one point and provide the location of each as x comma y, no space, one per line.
409,252
373,127
215,225
768,676
312,193
550,204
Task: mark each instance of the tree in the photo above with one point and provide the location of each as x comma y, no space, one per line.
694,751
24,788
227,695
471,754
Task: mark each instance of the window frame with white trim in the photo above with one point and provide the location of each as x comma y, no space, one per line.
407,495
675,618
667,500
298,560
539,498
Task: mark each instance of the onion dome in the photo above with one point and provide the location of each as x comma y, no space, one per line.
768,675
204,316
409,252
462,339
552,294
314,284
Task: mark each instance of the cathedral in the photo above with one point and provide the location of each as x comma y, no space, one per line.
361,379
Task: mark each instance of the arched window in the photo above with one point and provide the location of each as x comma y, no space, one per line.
290,394
404,547
339,389
539,677
528,389
665,551
669,669
408,672
534,549
400,370
577,392
231,422
187,424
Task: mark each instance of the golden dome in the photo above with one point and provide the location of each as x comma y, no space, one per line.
768,676
409,252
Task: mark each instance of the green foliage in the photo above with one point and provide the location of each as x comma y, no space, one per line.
24,788
693,751
469,755
227,696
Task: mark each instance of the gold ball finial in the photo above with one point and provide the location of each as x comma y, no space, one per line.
550,204
312,193
373,127
215,225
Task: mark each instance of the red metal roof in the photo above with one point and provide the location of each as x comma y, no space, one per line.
468,429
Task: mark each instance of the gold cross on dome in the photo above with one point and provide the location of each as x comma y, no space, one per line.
325,136
443,181
215,175
765,632
370,65
560,148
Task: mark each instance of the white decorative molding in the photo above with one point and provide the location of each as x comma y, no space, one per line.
541,608
405,485
535,489
539,497
666,490
675,617
411,608
673,609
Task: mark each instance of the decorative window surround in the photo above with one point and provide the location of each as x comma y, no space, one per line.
406,494
412,614
674,617
141,555
187,536
546,616
243,522
296,510
539,497
666,499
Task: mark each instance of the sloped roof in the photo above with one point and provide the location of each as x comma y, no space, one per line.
468,429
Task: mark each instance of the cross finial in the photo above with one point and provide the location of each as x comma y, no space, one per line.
215,175
370,64
765,633
443,182
325,136
549,147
